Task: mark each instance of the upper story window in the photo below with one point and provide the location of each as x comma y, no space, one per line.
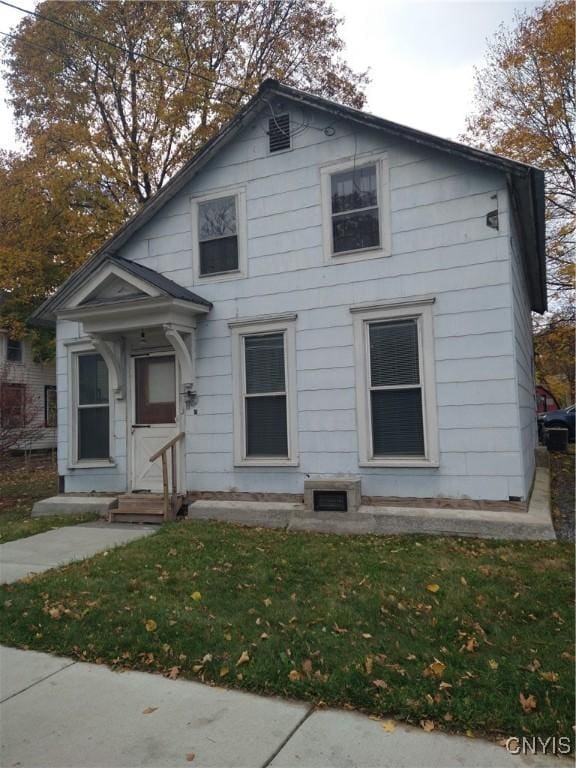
355,216
219,235
14,350
356,210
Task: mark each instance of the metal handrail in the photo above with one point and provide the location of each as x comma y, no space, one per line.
170,499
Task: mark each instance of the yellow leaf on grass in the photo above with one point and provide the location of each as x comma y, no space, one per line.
224,671
492,663
294,676
432,588
427,725
528,703
551,677
151,625
436,669
389,726
173,673
196,596
369,664
267,602
244,658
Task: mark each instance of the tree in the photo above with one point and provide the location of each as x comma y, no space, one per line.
554,357
524,108
112,98
130,90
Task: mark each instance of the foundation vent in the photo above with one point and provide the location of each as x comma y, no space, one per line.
330,501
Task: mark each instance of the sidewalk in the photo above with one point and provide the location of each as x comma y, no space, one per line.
38,553
57,713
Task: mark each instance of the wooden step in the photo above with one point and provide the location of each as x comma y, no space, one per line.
141,508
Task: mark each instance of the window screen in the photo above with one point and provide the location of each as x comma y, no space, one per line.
395,389
265,395
218,236
355,215
93,408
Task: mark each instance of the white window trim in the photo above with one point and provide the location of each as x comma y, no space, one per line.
420,310
380,160
239,193
251,327
75,349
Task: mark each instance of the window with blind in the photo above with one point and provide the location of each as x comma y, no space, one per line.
265,395
395,389
264,368
395,384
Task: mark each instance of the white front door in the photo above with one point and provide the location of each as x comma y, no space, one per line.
154,396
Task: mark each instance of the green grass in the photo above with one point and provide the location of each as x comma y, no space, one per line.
19,489
336,619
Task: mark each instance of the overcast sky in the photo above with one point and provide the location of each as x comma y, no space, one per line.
421,55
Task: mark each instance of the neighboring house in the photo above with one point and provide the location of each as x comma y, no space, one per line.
318,292
545,400
27,396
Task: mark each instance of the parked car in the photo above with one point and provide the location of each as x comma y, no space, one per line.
564,417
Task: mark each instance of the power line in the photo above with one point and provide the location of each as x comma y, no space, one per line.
129,53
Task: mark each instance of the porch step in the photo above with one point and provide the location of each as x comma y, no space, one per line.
140,508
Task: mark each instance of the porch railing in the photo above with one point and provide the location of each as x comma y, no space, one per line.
170,498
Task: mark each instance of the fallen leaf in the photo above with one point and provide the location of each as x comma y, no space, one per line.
307,666
224,671
206,658
264,636
380,683
389,726
267,602
369,664
227,636
151,625
534,666
436,669
432,588
492,663
366,636
244,658
528,703
444,686
196,596
470,734
190,756
471,645
173,673
294,676
149,710
427,725
551,677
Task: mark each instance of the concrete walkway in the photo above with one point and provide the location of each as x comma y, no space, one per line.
63,545
57,713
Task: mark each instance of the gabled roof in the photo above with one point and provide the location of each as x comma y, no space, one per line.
165,285
526,184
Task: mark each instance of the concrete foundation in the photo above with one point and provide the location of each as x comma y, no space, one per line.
351,486
535,524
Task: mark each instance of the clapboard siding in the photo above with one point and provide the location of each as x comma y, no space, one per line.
36,376
440,246
524,357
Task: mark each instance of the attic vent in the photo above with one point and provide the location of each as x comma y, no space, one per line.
330,501
279,132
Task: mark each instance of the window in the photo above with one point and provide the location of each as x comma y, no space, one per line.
279,132
395,385
217,236
14,350
13,405
264,385
355,219
355,202
93,409
219,223
155,389
50,407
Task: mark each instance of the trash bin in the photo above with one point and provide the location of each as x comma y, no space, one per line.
557,439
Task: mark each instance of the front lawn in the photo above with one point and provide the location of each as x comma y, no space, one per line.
20,487
462,635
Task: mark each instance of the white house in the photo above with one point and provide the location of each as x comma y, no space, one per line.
318,293
27,397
